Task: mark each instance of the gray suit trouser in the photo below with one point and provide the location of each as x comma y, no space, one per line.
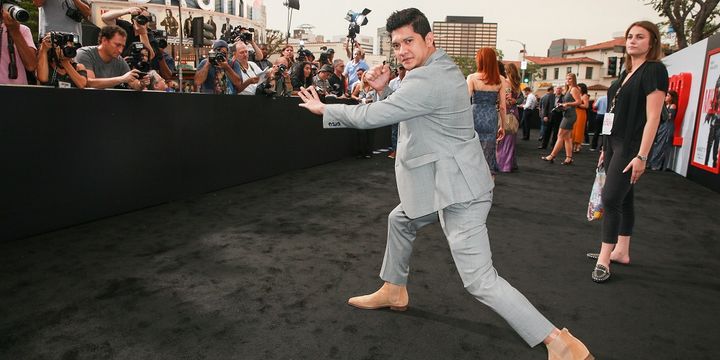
467,235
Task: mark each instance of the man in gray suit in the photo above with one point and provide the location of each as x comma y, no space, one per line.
441,176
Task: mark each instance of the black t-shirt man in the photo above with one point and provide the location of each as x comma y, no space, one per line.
337,85
132,36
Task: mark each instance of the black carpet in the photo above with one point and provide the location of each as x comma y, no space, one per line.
263,271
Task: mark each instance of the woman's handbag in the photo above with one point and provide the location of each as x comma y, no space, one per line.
511,124
595,206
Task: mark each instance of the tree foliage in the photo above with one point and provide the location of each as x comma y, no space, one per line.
275,40
466,64
692,20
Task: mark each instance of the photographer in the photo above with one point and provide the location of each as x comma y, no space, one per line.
320,81
61,15
278,81
264,63
250,72
17,51
163,62
54,68
215,75
105,68
136,29
351,68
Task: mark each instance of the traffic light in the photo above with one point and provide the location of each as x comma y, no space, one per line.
201,33
526,79
612,65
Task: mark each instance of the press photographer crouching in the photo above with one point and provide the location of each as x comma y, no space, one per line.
215,75
105,68
278,82
136,29
56,64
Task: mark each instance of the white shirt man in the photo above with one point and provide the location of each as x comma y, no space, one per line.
249,71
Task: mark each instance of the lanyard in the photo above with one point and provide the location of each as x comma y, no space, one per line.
617,93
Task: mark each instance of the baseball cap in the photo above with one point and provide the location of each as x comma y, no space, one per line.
217,44
327,68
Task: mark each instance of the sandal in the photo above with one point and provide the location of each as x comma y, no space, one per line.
600,274
549,158
568,161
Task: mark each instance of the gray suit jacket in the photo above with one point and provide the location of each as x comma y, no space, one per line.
439,159
547,103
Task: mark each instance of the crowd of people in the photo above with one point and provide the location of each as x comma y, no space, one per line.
129,55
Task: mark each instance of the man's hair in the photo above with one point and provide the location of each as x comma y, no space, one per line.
527,89
337,62
409,16
108,32
550,89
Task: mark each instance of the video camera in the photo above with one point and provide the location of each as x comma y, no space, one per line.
238,33
303,54
135,59
216,57
68,43
15,11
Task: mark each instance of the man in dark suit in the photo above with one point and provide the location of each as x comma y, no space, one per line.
550,117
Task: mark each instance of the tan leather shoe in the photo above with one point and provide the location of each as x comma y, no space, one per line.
389,295
567,347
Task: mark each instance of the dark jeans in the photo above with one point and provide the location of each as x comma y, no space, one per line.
365,142
596,129
617,194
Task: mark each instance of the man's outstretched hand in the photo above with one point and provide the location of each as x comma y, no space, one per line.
311,100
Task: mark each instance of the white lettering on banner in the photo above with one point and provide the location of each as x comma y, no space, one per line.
333,125
208,5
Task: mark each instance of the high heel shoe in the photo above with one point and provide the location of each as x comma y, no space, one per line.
568,161
549,158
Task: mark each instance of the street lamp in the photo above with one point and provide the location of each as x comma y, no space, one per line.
523,64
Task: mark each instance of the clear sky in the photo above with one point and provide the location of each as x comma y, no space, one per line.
536,23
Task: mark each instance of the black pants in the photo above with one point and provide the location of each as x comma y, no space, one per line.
551,130
617,194
596,129
525,123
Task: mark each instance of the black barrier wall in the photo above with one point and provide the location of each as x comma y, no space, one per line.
70,156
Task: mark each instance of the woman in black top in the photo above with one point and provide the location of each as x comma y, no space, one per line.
303,76
636,101
56,70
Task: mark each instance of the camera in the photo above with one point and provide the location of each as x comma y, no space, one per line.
303,54
74,14
216,57
135,60
15,11
67,42
238,33
140,19
159,38
247,36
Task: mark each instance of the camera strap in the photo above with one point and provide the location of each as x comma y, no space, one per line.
12,65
